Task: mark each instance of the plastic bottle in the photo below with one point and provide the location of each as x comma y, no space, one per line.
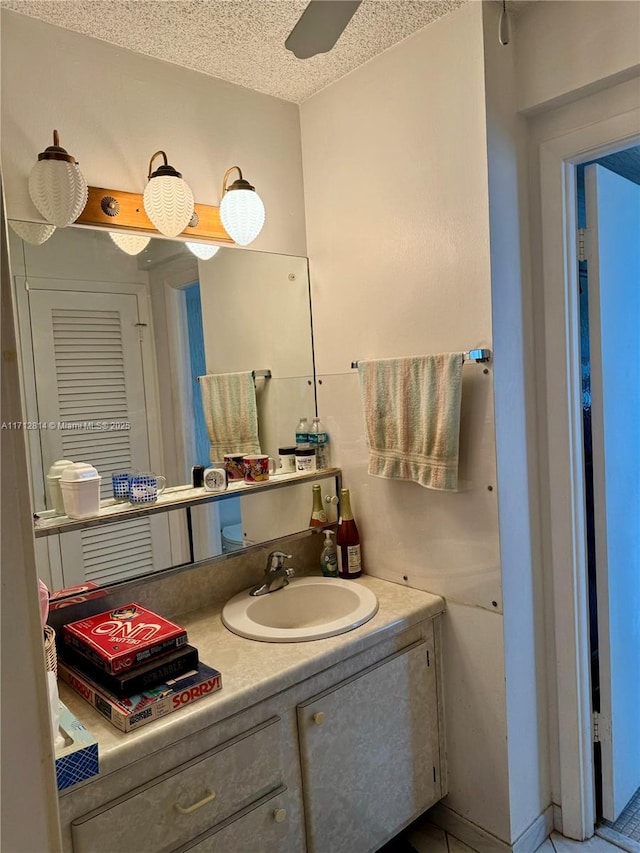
318,514
302,433
348,540
319,439
329,556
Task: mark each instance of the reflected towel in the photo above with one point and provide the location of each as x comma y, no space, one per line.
412,415
231,413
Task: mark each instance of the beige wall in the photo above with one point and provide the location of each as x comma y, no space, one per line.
574,47
395,169
114,108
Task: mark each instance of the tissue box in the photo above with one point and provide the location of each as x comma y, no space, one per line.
77,760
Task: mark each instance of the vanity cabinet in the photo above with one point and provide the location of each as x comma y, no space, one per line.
339,761
369,749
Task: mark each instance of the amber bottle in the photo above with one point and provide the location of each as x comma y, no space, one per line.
348,540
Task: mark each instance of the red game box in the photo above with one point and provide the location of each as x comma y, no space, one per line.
120,639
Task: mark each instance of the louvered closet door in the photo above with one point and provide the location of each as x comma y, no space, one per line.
88,371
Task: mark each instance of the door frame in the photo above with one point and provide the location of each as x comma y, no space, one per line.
563,462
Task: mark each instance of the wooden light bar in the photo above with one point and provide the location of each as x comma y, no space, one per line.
115,209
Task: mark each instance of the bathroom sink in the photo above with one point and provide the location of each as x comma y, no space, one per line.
309,608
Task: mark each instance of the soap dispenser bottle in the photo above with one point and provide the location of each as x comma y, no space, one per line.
329,556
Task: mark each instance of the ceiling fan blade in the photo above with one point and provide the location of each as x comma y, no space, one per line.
320,26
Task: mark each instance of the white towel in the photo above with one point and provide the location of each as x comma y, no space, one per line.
412,415
231,413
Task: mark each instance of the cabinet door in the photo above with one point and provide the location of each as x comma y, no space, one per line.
264,827
370,753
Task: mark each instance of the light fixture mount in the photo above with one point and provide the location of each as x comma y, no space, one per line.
239,183
57,152
164,170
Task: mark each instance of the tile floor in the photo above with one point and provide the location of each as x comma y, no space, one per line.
629,821
625,832
431,839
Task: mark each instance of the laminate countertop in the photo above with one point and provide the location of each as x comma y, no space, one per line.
251,670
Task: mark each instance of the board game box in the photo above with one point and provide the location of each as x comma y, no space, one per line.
124,637
142,677
129,714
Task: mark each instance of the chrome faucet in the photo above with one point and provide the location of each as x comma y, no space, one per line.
275,573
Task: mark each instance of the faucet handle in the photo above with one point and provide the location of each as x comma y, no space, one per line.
289,571
276,559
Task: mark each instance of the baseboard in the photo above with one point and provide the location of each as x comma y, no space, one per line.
557,818
484,842
534,835
466,831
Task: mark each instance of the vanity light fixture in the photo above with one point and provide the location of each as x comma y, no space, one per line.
57,186
35,233
132,244
204,251
167,199
241,209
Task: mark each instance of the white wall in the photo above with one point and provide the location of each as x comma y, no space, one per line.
516,438
395,169
570,48
114,108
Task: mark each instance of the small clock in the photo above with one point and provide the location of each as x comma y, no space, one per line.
215,480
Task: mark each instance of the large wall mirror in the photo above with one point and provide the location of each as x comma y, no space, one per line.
119,340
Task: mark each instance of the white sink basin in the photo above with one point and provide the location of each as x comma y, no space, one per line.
307,609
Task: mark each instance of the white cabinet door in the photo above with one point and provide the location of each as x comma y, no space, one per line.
370,754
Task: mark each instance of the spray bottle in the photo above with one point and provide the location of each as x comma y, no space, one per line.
329,556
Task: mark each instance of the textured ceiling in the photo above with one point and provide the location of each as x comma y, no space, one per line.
242,42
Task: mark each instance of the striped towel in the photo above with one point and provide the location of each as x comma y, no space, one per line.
412,415
231,413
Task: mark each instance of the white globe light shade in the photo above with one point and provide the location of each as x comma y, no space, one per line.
203,251
132,244
59,191
168,202
35,233
242,214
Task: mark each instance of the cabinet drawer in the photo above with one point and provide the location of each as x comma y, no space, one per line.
184,803
263,827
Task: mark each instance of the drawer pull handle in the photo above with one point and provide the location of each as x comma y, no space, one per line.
209,795
280,815
318,718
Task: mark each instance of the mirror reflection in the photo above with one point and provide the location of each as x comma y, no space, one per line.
112,346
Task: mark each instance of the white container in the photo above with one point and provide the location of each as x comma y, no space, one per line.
53,485
80,485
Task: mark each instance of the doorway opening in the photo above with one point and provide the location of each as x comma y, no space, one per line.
608,219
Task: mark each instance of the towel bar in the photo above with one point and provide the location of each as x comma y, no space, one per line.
257,374
476,355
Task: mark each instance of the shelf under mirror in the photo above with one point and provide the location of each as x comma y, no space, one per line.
176,497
